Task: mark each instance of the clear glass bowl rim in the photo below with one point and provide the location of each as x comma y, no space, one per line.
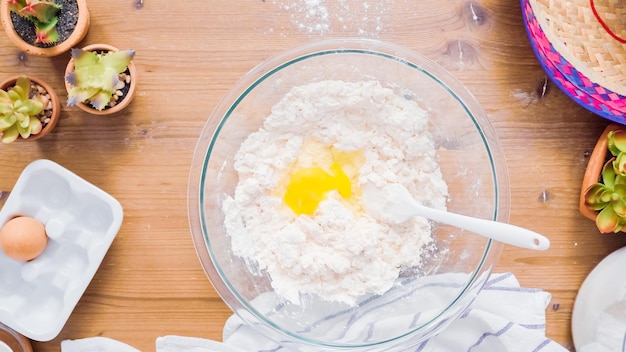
265,69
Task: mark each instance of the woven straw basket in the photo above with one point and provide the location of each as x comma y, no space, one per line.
579,37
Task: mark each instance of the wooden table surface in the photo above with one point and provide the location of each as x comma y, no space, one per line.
188,55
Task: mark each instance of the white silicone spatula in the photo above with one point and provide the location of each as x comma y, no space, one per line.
394,204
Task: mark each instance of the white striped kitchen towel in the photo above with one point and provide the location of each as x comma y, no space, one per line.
504,318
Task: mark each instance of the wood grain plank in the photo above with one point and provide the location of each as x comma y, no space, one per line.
151,283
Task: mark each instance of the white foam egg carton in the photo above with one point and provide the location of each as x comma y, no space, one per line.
81,221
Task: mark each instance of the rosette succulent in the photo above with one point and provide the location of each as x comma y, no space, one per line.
95,76
43,15
19,111
608,196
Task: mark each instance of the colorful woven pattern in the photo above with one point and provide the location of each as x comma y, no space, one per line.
576,85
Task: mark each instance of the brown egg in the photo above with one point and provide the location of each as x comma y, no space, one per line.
23,238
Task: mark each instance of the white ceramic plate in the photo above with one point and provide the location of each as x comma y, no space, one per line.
599,315
81,221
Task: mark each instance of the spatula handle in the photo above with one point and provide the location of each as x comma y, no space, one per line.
503,232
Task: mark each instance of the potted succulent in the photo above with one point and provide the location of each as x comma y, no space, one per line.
45,27
603,192
100,79
29,109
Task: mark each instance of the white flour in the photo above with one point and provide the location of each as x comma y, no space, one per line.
339,252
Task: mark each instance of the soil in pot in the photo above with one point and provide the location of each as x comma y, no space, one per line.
45,116
121,90
68,18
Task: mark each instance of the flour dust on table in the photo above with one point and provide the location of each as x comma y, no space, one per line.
297,211
318,17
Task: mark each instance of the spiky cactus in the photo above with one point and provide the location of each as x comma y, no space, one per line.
19,111
43,14
95,76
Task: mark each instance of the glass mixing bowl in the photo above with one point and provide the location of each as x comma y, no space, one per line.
423,300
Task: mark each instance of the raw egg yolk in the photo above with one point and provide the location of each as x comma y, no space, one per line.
318,170
308,187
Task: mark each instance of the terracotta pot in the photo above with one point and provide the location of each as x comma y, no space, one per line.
594,169
80,31
56,105
16,341
121,104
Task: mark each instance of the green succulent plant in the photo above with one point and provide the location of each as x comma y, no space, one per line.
43,15
608,196
617,147
19,111
95,76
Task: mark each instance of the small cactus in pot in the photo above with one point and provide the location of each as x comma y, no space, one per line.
607,196
44,27
43,15
94,79
28,109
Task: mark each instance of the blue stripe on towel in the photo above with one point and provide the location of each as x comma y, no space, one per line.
351,317
487,334
533,326
421,347
497,278
273,349
490,285
358,315
545,343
